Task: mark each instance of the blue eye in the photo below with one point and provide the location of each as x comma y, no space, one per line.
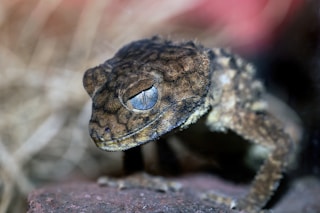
145,100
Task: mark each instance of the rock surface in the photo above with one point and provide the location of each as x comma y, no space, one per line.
302,196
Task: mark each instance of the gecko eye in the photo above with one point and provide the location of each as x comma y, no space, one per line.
145,99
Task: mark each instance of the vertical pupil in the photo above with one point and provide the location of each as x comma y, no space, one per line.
146,99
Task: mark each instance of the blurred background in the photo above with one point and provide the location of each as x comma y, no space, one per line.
46,46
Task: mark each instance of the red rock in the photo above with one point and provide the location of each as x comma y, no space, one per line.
302,196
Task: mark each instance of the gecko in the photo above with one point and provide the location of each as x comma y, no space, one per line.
154,86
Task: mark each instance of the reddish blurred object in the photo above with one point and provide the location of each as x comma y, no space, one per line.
246,25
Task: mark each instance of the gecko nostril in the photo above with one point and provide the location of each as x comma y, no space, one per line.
107,130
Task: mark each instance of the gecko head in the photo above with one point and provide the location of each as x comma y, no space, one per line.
147,89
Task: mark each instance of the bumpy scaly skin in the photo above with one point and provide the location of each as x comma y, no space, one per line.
175,84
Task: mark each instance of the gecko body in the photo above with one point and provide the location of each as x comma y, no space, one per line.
154,86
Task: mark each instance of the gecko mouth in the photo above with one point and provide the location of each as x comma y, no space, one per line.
132,139
140,136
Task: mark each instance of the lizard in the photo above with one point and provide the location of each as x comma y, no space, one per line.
154,86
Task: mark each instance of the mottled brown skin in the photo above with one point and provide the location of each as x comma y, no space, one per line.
175,84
